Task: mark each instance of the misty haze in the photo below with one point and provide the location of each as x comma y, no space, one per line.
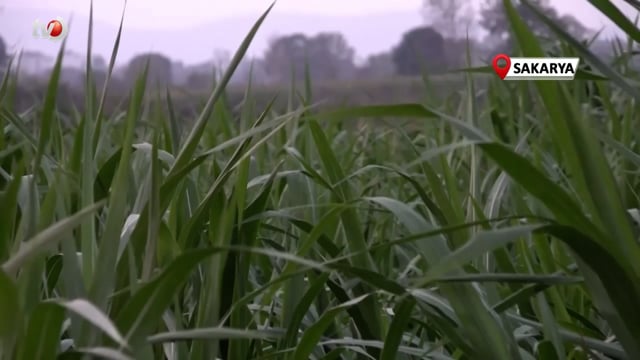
382,51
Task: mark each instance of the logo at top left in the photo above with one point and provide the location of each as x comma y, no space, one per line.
54,29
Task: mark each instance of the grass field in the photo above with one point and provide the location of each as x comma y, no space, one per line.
329,95
498,229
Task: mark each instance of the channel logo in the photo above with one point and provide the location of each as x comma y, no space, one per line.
54,29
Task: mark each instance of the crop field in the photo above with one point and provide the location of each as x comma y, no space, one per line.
499,226
186,101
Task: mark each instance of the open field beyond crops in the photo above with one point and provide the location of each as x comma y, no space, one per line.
187,102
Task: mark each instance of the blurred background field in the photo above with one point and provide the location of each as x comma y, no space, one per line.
342,72
333,94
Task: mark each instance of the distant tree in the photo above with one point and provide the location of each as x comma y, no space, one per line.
72,76
378,65
198,80
159,73
250,69
493,19
450,17
286,55
4,57
99,77
456,50
331,57
420,49
328,55
99,63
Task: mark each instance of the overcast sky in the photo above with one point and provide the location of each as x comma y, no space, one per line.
184,13
171,25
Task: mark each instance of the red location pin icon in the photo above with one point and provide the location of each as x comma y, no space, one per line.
501,70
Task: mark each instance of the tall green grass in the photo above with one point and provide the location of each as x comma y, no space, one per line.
497,230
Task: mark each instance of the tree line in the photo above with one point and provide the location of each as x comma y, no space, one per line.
436,47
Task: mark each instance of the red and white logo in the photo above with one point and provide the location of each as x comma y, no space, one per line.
54,29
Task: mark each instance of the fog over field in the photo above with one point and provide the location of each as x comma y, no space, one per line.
191,31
